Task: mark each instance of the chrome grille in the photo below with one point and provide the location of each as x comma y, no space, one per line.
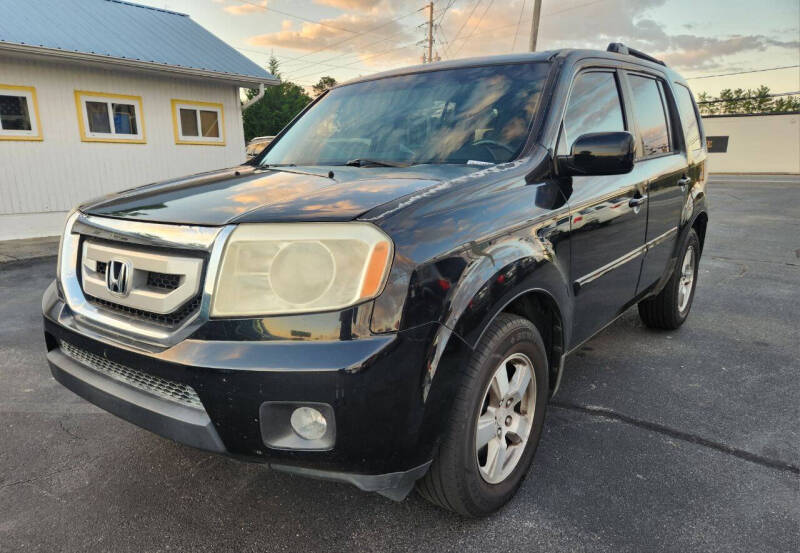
169,320
155,385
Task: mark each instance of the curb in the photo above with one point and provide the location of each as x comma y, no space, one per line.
9,263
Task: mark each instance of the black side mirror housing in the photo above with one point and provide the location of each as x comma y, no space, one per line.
599,153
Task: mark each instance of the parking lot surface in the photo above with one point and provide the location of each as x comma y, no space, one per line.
657,441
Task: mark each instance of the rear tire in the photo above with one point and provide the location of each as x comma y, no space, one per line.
497,403
670,308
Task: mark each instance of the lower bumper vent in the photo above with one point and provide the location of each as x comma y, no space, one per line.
161,387
169,320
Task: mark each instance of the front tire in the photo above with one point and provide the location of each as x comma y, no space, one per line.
496,421
669,309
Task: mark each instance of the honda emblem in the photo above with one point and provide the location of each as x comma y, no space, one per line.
118,276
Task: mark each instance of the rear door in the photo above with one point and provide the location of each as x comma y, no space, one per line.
608,214
662,158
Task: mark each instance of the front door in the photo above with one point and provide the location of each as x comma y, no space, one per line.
608,213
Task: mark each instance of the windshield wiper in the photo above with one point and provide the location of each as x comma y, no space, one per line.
363,162
290,168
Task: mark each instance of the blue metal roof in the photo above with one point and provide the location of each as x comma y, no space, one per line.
121,30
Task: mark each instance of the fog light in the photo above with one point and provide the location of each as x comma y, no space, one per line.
308,423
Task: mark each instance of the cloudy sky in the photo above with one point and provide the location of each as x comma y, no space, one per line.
359,37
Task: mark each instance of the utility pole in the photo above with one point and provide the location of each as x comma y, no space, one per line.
430,32
537,9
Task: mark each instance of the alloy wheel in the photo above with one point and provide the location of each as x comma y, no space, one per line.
505,418
686,280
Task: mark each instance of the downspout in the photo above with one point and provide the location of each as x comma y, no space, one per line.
255,98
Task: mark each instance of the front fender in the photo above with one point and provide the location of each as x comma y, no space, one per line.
530,259
496,273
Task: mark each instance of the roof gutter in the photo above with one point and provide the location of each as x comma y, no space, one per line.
244,81
255,98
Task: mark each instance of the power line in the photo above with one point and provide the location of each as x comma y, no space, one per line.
370,30
362,60
282,57
312,63
556,12
478,24
744,72
438,27
265,8
519,21
475,5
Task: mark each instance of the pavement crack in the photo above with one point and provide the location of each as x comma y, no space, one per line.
680,435
737,260
39,477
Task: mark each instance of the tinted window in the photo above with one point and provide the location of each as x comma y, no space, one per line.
14,113
593,107
97,114
446,116
648,105
689,122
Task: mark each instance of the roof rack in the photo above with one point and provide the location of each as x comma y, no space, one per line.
619,48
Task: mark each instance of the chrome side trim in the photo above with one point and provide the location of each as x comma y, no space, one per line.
661,238
148,234
608,267
630,256
89,319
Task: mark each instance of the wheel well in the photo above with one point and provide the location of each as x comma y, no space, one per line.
699,227
542,311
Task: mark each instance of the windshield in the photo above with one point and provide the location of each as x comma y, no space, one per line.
475,114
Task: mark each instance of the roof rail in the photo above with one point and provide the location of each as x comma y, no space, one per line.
619,48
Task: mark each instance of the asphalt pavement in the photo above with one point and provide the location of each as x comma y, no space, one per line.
657,441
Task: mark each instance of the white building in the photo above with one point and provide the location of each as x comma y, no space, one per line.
97,96
753,143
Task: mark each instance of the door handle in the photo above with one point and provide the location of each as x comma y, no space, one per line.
637,201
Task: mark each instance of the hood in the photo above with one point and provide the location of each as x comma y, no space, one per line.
249,194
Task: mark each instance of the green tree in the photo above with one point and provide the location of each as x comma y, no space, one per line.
323,84
738,100
276,109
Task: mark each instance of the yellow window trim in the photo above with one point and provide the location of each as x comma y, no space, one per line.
32,91
82,128
176,130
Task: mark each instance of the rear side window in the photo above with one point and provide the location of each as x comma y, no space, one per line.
651,118
594,106
689,121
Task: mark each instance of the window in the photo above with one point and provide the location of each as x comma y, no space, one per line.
594,106
468,115
104,117
198,123
717,144
19,113
689,119
651,117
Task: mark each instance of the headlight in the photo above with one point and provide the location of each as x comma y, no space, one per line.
270,269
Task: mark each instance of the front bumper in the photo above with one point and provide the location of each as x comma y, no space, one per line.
374,385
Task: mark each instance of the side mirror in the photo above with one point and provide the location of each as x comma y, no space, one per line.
599,153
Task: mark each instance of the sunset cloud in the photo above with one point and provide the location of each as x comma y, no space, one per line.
490,29
245,8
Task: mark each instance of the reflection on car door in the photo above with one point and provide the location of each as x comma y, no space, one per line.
608,218
665,163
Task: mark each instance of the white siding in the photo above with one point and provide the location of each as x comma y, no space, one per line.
41,181
756,144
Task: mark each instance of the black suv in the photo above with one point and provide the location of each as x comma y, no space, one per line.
385,296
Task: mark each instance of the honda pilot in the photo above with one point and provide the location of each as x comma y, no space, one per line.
385,296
